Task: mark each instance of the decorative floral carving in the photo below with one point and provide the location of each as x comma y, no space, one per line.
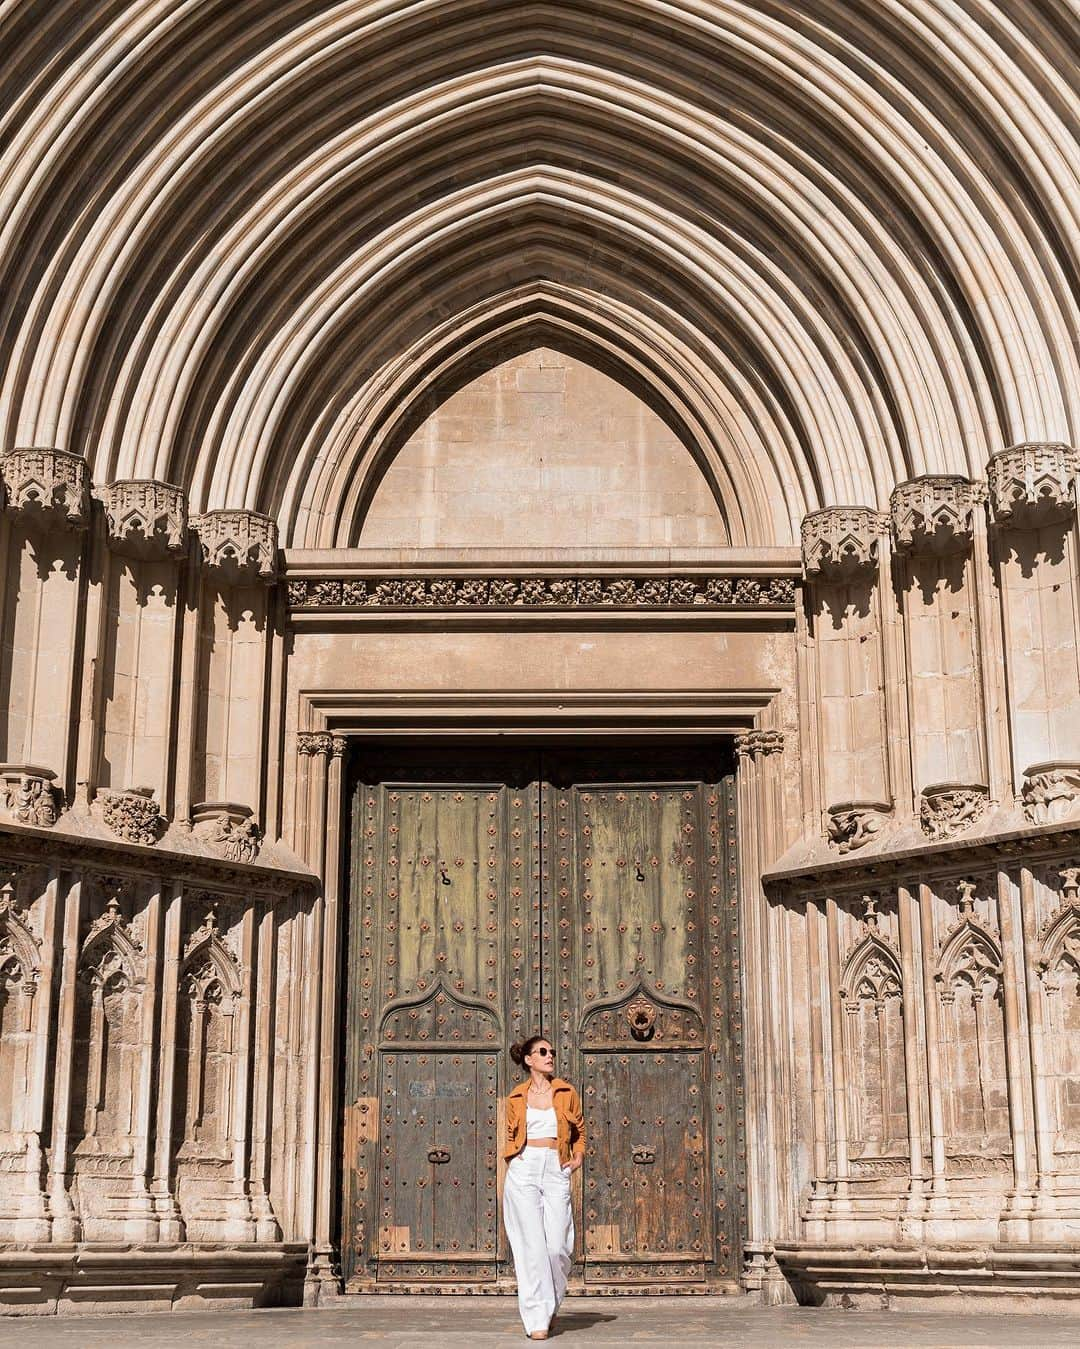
1032,484
948,808
855,823
145,518
749,744
239,546
550,592
1051,792
842,541
133,815
28,795
229,828
314,742
48,486
205,942
933,513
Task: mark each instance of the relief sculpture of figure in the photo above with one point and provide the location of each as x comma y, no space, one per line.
545,1145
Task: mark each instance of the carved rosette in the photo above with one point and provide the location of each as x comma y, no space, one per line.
841,542
949,808
933,514
28,796
51,488
852,825
239,547
1051,792
146,519
133,815
1032,485
229,828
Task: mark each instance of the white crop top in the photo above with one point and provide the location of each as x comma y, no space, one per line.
540,1123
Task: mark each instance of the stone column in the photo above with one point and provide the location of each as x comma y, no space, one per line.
1033,496
65,1221
843,559
141,1223
170,1222
262,1121
818,1207
240,1223
933,528
1044,1226
939,1224
914,1077
1015,1222
841,1203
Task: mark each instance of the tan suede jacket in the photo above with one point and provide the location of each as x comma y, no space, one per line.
568,1117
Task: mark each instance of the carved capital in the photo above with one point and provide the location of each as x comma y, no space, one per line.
853,824
133,815
841,542
240,547
1032,485
28,796
948,808
339,745
1051,792
49,487
231,829
933,514
749,744
314,742
145,518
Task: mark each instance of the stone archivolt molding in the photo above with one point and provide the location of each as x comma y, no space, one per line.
840,543
852,825
49,487
948,808
239,547
145,518
544,592
1032,485
934,513
1051,792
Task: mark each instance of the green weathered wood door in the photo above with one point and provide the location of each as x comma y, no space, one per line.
590,892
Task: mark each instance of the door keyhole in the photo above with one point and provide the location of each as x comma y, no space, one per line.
638,871
443,877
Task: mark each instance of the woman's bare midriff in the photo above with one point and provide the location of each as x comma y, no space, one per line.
542,1143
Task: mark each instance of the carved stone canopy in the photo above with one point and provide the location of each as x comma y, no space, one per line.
239,546
1051,792
146,519
28,796
933,513
1032,485
50,488
950,808
841,542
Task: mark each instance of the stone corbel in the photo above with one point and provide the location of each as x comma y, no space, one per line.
50,488
950,808
230,828
132,815
840,543
239,547
146,519
28,796
1051,792
1032,485
933,514
852,825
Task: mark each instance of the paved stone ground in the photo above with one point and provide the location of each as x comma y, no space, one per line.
430,1323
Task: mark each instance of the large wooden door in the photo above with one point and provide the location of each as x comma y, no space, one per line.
590,892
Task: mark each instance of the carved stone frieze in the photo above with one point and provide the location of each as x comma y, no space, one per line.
28,796
240,547
933,513
49,487
146,519
1032,484
1051,792
544,592
133,815
749,744
229,828
948,808
841,542
854,824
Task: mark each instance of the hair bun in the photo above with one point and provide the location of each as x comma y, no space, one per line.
517,1053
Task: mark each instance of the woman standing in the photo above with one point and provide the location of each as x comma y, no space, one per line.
545,1145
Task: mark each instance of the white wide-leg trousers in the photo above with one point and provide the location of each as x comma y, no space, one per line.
536,1210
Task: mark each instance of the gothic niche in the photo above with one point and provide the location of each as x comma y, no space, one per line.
18,984
1058,965
871,994
108,997
210,987
968,976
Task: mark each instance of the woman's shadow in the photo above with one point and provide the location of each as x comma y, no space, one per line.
567,1322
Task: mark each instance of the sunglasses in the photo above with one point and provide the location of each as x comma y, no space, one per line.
545,1053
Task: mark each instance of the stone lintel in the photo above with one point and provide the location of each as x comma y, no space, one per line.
1032,485
48,487
145,518
934,513
840,543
